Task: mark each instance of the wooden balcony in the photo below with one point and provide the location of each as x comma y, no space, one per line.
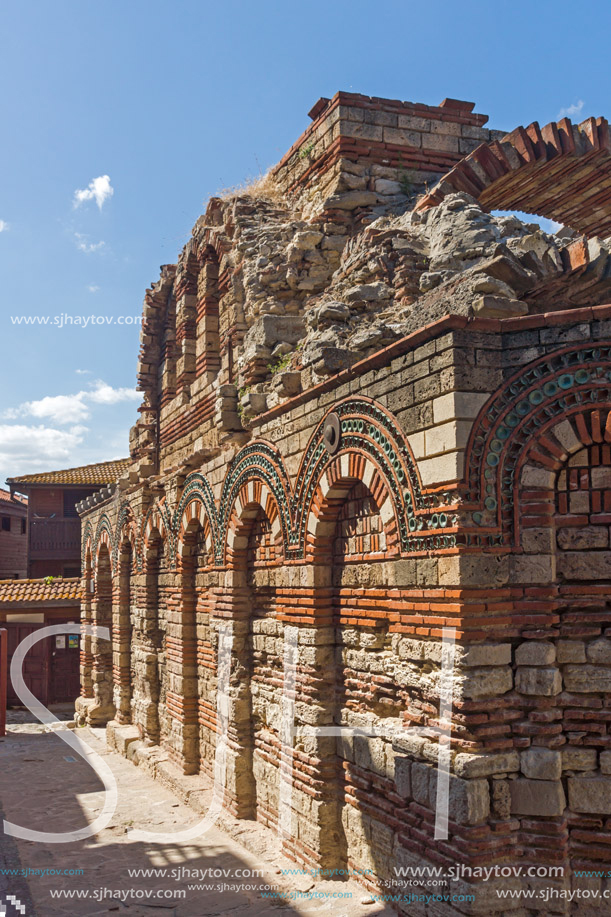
55,539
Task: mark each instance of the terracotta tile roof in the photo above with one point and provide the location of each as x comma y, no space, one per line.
6,497
37,590
98,474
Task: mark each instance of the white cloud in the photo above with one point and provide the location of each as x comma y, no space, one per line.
26,449
3,225
93,288
98,190
72,408
571,110
83,372
106,394
58,408
34,445
84,246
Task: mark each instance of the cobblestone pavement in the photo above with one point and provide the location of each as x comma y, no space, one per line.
44,786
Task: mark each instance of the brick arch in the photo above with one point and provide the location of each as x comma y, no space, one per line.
213,282
157,524
208,355
188,707
525,422
369,431
126,529
185,291
86,543
102,708
256,478
339,476
147,689
351,488
212,239
196,505
166,388
253,498
104,536
253,523
545,458
194,516
556,171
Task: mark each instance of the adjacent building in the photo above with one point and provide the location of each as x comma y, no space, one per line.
46,527
13,535
53,526
51,667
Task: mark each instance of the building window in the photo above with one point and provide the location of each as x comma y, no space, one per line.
6,523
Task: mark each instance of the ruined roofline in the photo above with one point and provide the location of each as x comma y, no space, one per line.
560,172
423,138
329,260
429,332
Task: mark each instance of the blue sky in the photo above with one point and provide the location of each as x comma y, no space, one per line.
173,101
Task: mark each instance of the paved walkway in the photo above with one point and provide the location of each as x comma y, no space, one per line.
45,787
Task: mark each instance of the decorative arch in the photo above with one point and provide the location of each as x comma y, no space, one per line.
158,520
524,420
104,536
187,272
102,708
126,529
372,443
86,543
196,503
252,499
256,475
149,687
339,476
208,356
525,169
166,362
194,516
253,526
372,448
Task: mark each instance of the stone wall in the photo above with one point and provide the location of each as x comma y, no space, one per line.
364,151
331,545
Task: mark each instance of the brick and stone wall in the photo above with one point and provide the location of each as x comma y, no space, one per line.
333,507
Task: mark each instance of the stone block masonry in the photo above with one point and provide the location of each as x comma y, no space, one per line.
343,449
395,143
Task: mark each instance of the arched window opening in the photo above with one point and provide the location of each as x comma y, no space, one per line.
166,377
208,357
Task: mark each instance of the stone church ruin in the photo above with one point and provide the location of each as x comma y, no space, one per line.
374,408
